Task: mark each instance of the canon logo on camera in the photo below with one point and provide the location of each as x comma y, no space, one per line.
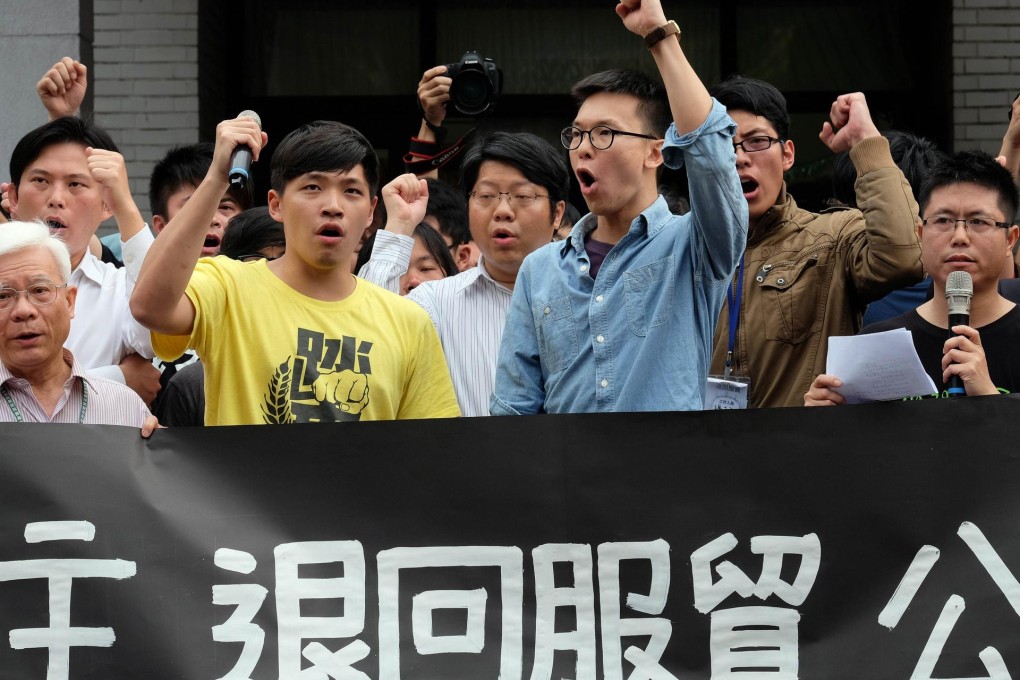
477,82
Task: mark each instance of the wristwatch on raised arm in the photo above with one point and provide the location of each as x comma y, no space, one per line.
662,32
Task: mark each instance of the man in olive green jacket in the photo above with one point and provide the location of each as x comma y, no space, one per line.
807,276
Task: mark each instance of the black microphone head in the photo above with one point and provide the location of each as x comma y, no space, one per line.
959,291
248,113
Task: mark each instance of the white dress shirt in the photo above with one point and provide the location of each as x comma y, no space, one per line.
103,331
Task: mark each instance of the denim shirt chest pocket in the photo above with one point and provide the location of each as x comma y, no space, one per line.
648,294
790,293
557,336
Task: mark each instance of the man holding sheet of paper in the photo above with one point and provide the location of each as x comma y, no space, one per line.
968,203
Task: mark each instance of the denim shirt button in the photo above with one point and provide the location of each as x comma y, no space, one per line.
547,310
584,268
604,383
599,298
600,338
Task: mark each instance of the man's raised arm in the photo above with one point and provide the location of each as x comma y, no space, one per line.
688,99
406,198
158,301
718,208
1009,153
889,254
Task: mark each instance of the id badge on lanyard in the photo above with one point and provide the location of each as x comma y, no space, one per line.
728,391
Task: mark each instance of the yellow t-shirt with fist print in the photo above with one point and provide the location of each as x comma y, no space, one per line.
273,355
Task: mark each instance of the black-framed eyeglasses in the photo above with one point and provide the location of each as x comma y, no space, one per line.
977,225
600,136
40,293
753,144
490,199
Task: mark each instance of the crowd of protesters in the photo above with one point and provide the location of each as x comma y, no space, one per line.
341,296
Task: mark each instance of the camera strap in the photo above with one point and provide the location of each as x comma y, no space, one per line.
425,156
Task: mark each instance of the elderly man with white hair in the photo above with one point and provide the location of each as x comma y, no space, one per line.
40,381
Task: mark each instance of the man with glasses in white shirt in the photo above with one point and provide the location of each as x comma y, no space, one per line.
40,380
516,186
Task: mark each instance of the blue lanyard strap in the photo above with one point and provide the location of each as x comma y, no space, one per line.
733,298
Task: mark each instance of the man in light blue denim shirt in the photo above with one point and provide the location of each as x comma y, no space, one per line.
620,316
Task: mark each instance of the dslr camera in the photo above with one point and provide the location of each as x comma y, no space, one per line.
477,82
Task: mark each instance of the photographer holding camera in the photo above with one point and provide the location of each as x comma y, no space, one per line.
471,86
433,93
516,186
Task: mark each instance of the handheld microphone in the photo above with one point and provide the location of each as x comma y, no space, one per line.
959,291
240,159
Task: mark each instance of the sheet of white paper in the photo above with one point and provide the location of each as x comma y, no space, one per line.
877,367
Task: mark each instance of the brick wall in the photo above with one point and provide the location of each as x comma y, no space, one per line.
145,80
986,70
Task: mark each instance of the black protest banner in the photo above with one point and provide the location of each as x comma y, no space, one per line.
875,541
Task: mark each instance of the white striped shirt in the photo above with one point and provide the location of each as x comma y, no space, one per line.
107,403
468,311
391,256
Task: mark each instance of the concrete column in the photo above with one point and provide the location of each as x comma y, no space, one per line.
34,35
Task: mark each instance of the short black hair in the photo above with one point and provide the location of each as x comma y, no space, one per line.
436,246
323,146
449,208
914,155
64,130
755,96
251,231
537,159
653,106
972,167
183,165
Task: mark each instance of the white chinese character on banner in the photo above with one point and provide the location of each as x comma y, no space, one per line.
348,590
240,627
755,642
61,636
616,627
911,582
473,602
292,589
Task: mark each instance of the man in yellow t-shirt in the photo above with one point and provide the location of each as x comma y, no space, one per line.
296,339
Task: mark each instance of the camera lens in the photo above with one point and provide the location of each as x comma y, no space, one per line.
470,93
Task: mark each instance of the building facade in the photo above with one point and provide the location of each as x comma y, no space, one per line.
163,72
